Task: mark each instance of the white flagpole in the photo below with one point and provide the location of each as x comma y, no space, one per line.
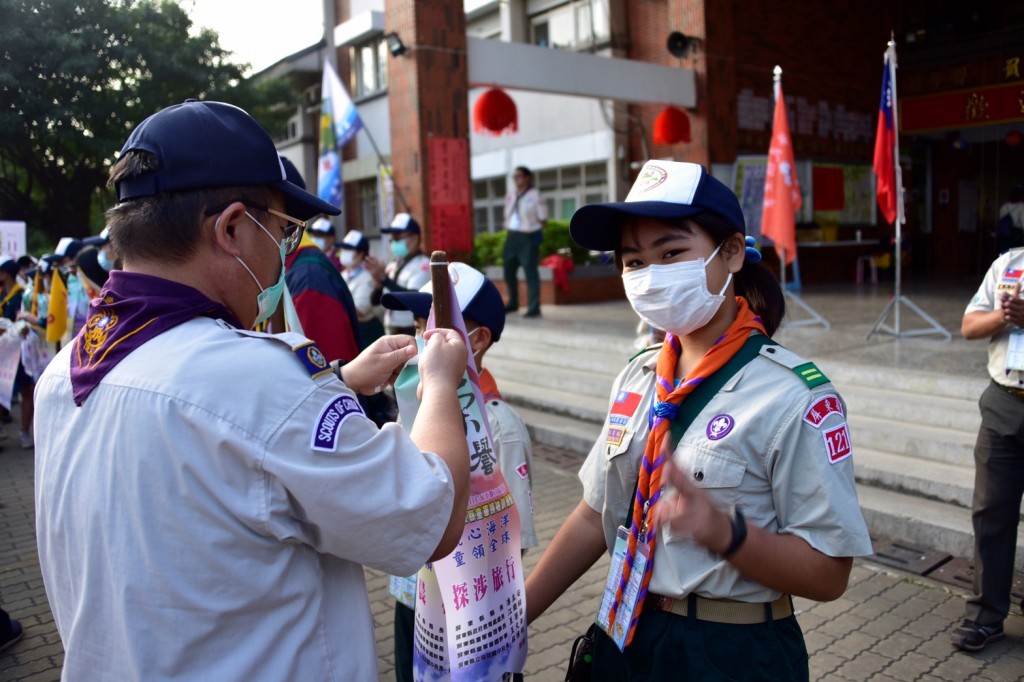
901,218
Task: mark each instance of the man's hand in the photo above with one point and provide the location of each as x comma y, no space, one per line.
688,512
443,361
379,364
374,267
1013,307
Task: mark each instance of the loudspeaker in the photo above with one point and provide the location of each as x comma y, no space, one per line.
679,44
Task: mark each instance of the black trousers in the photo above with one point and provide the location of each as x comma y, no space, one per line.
523,249
671,647
998,488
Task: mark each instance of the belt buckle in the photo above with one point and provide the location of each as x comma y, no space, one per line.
659,602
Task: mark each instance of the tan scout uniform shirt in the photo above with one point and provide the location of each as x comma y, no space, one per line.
1003,275
766,443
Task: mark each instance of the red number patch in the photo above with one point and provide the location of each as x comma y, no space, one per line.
837,443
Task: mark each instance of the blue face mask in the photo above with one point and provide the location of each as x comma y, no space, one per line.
399,249
268,299
104,260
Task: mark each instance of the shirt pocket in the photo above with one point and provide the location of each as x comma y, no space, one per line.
712,469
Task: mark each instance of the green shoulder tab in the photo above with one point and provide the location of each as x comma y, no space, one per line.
811,375
640,352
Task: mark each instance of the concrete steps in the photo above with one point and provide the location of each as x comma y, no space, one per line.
913,431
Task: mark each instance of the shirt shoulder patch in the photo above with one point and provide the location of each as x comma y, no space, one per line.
837,443
328,423
312,359
807,371
822,408
810,374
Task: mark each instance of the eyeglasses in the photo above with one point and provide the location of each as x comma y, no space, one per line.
292,229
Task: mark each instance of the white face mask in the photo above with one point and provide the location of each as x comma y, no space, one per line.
674,297
348,258
321,242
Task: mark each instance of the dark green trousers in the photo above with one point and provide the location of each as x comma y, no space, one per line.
522,249
671,647
998,488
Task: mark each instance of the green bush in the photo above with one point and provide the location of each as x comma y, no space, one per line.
489,248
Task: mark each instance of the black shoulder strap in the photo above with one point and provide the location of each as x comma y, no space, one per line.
702,395
709,388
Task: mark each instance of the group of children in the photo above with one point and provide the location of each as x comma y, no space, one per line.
26,284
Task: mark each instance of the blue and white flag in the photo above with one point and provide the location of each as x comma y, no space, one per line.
339,123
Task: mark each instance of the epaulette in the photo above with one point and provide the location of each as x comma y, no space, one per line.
312,358
640,352
808,372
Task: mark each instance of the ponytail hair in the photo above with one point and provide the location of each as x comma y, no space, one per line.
754,281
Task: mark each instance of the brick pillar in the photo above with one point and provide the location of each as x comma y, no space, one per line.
428,98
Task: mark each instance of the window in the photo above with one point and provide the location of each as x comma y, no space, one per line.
368,220
562,189
577,25
370,67
488,205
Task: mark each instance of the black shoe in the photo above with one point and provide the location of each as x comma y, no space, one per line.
16,633
973,637
531,313
511,308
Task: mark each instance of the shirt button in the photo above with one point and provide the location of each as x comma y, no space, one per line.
699,475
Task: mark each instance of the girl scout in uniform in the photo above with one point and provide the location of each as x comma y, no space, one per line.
722,482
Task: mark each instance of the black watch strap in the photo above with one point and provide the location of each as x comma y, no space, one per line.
739,533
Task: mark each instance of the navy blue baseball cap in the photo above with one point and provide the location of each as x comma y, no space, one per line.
98,240
479,300
356,241
201,145
664,190
403,222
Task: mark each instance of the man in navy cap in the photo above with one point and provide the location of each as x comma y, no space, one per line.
206,495
408,270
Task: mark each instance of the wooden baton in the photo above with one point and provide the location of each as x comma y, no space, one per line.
440,282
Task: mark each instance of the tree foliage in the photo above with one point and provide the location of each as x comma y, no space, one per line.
77,76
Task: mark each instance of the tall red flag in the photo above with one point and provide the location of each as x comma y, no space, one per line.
885,142
781,190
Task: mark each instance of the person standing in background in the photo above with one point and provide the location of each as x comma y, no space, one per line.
996,314
409,270
322,233
525,215
355,253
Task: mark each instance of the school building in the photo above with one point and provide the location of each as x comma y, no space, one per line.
599,86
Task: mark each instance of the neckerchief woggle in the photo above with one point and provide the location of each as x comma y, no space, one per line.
456,636
649,486
132,308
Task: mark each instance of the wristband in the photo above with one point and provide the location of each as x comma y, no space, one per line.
336,366
739,533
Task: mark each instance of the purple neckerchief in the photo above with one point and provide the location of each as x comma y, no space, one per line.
131,309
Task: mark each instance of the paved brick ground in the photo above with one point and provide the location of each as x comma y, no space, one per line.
888,626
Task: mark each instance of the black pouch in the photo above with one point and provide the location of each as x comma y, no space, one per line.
581,658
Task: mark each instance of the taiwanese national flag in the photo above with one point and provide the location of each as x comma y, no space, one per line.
781,189
885,142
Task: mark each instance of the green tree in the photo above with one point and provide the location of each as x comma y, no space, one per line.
76,76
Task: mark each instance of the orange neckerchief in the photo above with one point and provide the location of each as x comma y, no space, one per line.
666,408
488,387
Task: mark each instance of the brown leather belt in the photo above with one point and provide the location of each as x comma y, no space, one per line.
724,610
1015,392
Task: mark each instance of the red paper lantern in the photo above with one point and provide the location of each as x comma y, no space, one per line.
672,126
495,113
1014,138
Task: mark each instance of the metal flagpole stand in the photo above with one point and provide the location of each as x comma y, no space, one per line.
898,299
814,316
